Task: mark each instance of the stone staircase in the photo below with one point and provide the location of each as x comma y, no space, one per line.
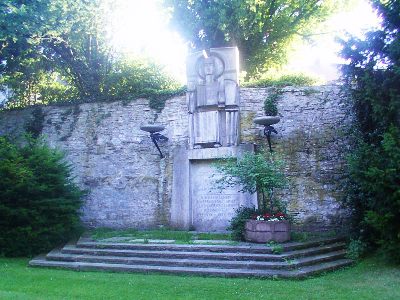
297,260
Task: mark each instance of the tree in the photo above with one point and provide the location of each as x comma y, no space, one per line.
60,48
39,202
254,172
373,77
262,30
56,35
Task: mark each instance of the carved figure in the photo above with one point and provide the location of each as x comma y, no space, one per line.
213,99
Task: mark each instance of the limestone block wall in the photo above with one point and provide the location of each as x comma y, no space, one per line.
130,186
313,140
112,158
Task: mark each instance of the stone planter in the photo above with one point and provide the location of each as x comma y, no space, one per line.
265,231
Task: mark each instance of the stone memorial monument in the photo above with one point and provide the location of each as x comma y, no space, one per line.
213,98
213,104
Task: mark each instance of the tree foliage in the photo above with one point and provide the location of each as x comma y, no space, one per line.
373,76
262,30
261,172
39,203
53,50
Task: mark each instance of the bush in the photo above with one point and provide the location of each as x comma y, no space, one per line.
261,172
127,79
372,74
375,192
39,203
281,80
237,224
270,107
356,249
255,172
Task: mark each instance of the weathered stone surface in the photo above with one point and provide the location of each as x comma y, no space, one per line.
212,209
265,231
313,140
196,202
223,260
130,186
213,98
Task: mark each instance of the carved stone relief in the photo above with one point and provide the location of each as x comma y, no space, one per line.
213,98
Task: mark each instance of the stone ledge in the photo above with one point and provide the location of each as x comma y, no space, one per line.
221,152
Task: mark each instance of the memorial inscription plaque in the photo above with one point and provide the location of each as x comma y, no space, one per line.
211,208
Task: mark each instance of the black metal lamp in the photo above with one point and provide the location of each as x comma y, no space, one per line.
155,135
267,122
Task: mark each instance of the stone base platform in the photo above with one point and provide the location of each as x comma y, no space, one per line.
298,260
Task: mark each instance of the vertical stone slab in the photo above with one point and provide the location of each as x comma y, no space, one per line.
196,202
180,204
206,126
212,209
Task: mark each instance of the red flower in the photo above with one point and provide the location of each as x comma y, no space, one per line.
267,216
279,215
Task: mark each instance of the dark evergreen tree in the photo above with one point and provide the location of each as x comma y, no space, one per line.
39,203
373,76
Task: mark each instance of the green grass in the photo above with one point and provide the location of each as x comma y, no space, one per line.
212,236
370,279
163,234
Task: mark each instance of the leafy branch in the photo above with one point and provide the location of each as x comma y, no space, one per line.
261,172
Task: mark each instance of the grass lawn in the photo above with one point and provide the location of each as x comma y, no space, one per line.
370,279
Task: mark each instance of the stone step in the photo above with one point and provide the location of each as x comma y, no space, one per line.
297,260
313,250
264,249
57,255
236,272
194,253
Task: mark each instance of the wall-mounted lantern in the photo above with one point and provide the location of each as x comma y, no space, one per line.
155,135
267,122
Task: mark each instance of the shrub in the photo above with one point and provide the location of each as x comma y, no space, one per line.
39,203
275,247
374,192
261,172
356,249
270,107
127,79
237,223
281,80
372,74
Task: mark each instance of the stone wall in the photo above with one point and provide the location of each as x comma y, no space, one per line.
313,140
129,186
